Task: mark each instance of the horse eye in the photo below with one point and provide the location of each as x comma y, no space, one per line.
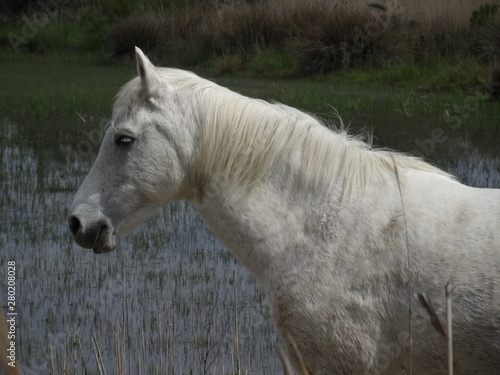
124,140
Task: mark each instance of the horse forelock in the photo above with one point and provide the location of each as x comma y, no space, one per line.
241,138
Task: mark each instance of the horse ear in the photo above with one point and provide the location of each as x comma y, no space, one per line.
146,71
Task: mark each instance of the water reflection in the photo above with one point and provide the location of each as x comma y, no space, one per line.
472,167
167,299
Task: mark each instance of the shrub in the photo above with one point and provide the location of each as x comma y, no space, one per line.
486,42
149,32
116,9
483,15
485,32
343,37
495,82
238,28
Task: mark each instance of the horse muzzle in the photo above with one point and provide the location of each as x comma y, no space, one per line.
98,235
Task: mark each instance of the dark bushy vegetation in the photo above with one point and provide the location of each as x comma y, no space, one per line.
320,36
149,32
341,38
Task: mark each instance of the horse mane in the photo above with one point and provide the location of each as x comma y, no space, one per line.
243,138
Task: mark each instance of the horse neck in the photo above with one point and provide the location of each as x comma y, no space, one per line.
257,195
243,140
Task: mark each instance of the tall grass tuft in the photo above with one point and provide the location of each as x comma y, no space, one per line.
149,32
485,30
486,45
239,28
343,37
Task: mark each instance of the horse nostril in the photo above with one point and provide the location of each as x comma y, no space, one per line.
74,224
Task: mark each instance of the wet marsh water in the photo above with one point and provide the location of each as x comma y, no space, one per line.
171,299
166,299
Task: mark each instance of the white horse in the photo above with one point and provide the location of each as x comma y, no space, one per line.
342,238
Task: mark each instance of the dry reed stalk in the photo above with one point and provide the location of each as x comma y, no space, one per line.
303,367
409,266
161,366
52,361
287,366
4,345
98,355
236,330
435,321
449,335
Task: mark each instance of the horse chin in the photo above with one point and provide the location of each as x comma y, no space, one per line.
102,250
105,242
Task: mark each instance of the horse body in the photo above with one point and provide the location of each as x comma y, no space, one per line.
337,278
340,237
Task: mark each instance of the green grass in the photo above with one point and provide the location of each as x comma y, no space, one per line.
48,87
58,95
65,97
269,62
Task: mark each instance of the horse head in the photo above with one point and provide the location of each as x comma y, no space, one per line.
141,164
